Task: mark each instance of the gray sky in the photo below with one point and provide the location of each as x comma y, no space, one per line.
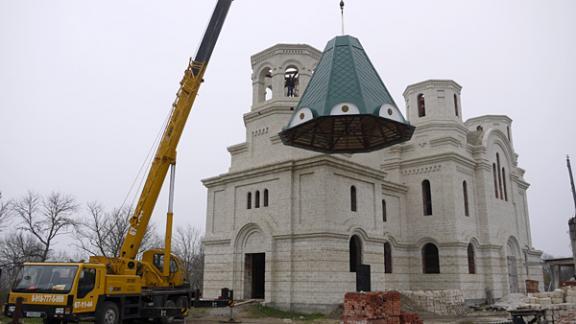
85,86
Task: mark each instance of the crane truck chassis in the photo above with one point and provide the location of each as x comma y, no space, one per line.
111,290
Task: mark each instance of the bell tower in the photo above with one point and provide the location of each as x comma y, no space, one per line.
433,100
281,73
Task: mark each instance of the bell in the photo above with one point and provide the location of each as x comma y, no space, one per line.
346,107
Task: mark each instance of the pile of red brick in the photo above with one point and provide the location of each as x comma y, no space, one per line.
376,308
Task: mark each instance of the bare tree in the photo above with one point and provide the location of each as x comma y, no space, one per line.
187,245
45,218
102,233
15,249
4,208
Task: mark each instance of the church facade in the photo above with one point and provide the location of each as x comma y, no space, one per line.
445,210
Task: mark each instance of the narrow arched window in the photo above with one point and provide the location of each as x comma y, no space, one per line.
265,198
353,199
508,132
355,253
471,259
387,258
257,199
465,194
426,198
504,184
495,179
384,211
499,175
430,259
249,200
456,104
421,105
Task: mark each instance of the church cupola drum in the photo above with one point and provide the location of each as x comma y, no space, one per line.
346,107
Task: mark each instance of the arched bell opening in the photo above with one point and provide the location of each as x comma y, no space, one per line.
291,81
264,85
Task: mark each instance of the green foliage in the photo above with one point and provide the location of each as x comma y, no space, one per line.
260,311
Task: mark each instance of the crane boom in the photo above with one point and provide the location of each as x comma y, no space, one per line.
166,152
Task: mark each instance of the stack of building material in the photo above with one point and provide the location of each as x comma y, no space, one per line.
441,302
375,308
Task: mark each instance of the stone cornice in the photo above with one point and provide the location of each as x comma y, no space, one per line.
247,174
238,148
272,107
216,241
485,118
394,187
434,83
438,158
291,49
441,125
312,162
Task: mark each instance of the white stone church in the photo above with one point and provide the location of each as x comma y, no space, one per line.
445,210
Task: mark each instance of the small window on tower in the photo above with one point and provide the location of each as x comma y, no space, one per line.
265,197
384,211
456,104
257,199
421,106
249,200
465,194
426,198
353,199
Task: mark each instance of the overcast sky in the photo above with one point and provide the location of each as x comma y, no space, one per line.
86,85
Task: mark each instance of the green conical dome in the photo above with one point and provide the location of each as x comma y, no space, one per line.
346,107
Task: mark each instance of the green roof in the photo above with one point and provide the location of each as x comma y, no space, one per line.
346,107
345,74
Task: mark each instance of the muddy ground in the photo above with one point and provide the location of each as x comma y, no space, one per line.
256,314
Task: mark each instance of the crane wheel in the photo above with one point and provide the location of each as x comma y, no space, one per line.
108,313
184,306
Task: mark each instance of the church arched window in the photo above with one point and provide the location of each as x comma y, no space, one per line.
384,211
426,198
353,199
471,259
387,258
265,202
465,195
249,200
355,253
495,179
504,184
257,199
421,105
456,104
430,259
499,176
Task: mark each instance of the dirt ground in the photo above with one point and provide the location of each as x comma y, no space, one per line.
251,314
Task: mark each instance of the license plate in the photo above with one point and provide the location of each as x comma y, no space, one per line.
33,314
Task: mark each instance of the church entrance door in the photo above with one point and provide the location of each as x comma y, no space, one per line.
254,275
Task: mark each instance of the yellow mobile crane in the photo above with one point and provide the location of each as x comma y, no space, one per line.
113,290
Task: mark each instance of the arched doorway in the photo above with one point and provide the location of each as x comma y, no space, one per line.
355,253
251,246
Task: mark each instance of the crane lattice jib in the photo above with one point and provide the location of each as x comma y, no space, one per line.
166,151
